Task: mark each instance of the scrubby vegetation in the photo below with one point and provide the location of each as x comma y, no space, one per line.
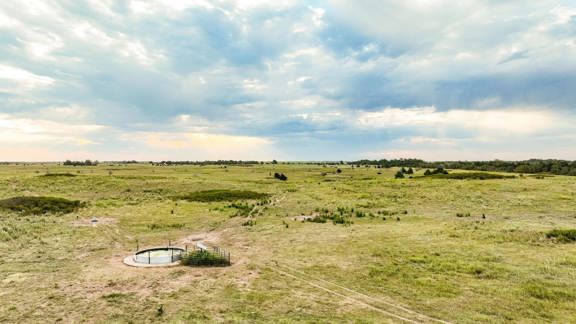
52,175
203,163
40,205
204,258
562,235
222,195
436,172
470,175
559,167
80,163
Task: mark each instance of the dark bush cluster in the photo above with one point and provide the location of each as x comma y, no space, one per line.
202,163
222,195
400,174
439,170
54,175
280,176
560,167
472,176
562,235
204,258
242,209
81,163
40,205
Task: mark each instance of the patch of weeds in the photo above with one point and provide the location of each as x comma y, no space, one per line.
242,209
54,175
249,222
342,215
158,226
40,205
470,175
562,235
223,195
116,297
204,258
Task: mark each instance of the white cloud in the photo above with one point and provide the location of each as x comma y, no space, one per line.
509,121
17,80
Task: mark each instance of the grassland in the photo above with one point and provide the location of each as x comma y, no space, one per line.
500,264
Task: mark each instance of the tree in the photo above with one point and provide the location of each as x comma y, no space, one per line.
410,171
399,175
274,162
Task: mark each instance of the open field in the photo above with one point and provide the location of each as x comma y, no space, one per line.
423,262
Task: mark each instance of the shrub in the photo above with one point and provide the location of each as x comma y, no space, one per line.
399,175
280,176
241,209
203,258
40,205
222,195
562,235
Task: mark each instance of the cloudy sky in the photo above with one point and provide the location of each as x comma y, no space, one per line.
288,80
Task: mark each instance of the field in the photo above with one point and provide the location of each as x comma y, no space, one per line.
416,249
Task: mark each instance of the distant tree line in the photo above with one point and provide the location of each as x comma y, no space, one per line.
81,163
219,162
559,167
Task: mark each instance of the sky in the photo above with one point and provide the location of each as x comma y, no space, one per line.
287,80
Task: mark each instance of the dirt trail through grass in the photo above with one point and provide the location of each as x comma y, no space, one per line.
390,309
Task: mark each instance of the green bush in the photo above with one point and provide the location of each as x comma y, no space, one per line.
40,205
223,195
562,235
203,258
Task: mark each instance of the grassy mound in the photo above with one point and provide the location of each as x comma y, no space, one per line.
40,205
562,235
223,195
58,175
203,258
471,175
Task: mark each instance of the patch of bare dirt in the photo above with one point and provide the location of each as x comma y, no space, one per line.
95,221
302,218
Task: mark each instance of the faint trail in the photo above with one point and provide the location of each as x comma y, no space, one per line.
398,312
346,297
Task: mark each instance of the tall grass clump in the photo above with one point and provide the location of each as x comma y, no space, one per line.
222,195
204,258
40,205
562,235
55,175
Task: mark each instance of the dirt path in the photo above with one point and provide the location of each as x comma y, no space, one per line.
384,307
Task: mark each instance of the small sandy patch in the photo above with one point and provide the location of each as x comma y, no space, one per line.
302,218
95,221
